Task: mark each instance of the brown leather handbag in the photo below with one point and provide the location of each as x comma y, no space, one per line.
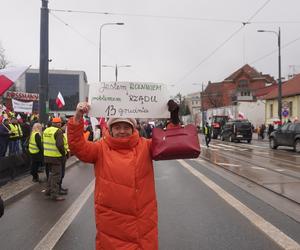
175,143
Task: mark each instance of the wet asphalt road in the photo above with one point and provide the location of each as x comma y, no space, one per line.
191,215
277,170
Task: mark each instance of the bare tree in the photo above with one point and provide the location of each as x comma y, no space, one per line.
183,107
3,61
214,100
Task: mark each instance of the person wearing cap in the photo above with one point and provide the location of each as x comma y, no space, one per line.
125,198
54,154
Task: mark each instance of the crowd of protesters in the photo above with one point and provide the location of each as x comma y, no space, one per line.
47,146
22,134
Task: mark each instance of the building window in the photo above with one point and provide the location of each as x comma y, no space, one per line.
271,110
243,83
291,108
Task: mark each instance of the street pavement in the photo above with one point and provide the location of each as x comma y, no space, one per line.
192,214
19,186
277,170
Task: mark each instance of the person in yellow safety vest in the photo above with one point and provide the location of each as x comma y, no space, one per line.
54,155
15,136
35,149
207,133
67,152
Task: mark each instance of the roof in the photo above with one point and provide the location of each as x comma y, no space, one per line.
247,69
289,88
214,87
251,72
264,91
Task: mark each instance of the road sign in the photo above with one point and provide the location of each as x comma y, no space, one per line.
285,113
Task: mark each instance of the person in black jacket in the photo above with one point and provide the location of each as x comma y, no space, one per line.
36,150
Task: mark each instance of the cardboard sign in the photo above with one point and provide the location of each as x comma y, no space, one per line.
129,100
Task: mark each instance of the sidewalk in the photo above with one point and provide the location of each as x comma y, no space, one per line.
16,188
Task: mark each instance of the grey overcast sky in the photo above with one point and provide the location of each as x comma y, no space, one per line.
180,43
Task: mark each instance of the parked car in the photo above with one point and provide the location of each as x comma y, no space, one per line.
217,123
237,130
287,135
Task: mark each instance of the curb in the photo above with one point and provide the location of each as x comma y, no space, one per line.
29,185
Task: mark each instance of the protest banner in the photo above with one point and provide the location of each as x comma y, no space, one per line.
129,99
19,106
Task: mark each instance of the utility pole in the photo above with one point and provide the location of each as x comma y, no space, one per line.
116,69
44,67
279,80
202,109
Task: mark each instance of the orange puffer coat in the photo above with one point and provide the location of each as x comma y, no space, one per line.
125,199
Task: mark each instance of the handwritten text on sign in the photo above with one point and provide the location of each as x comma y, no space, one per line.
129,99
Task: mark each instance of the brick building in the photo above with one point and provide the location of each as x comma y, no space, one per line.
244,85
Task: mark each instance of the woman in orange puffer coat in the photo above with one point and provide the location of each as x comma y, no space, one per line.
125,198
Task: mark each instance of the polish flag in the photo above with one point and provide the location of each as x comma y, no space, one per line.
241,116
9,75
60,102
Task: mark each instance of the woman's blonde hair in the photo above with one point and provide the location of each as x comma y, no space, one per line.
37,127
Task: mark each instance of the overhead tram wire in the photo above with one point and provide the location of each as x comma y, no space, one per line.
150,16
223,43
81,35
169,17
275,51
210,55
72,28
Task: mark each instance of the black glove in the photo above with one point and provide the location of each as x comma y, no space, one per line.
1,207
173,108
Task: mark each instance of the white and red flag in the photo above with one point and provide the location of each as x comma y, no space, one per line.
9,75
241,116
60,102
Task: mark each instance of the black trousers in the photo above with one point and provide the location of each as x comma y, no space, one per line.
63,170
35,168
207,140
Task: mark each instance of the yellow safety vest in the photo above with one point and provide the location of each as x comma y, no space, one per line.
206,130
16,129
33,148
66,145
49,143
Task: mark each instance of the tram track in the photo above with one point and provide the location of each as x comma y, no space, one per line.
293,165
235,159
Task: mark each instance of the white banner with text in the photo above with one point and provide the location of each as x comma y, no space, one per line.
19,106
129,99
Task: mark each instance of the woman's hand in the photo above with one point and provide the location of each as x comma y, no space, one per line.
81,109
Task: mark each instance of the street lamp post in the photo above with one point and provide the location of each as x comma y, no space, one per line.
104,24
279,71
116,68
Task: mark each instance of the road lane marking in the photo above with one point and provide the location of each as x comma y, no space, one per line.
266,227
258,168
204,146
228,164
51,238
233,147
215,146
